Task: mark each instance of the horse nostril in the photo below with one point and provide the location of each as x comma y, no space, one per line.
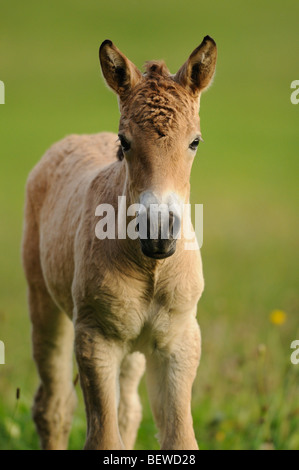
174,224
158,222
148,227
171,223
162,225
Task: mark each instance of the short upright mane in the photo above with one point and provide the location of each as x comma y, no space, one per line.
156,67
157,103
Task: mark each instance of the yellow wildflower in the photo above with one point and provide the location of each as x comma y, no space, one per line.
278,317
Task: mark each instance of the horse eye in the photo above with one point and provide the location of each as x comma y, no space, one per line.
194,143
124,143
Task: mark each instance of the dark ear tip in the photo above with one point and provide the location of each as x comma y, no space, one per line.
105,43
208,38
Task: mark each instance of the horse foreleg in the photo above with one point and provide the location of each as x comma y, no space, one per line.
170,374
99,362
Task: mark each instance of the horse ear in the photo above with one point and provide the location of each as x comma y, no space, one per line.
197,73
119,72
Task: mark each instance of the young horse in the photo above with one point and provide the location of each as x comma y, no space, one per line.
121,300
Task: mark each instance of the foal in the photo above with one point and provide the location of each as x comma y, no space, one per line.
118,301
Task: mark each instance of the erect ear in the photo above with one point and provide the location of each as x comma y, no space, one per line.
119,72
196,74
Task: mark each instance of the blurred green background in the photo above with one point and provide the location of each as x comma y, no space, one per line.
245,174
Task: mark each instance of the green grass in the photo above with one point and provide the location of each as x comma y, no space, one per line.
246,392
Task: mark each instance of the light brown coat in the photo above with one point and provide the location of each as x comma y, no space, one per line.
116,305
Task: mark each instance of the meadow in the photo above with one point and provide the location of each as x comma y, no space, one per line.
246,394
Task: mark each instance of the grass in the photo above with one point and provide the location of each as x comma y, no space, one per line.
246,392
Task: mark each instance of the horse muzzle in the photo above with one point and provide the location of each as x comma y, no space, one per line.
159,225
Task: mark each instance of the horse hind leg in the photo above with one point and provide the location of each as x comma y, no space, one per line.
52,338
55,398
130,410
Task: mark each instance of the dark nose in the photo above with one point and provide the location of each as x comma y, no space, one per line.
161,224
174,224
159,227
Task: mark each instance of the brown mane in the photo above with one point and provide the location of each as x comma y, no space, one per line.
158,103
156,67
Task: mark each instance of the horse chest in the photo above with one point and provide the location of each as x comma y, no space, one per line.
143,311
